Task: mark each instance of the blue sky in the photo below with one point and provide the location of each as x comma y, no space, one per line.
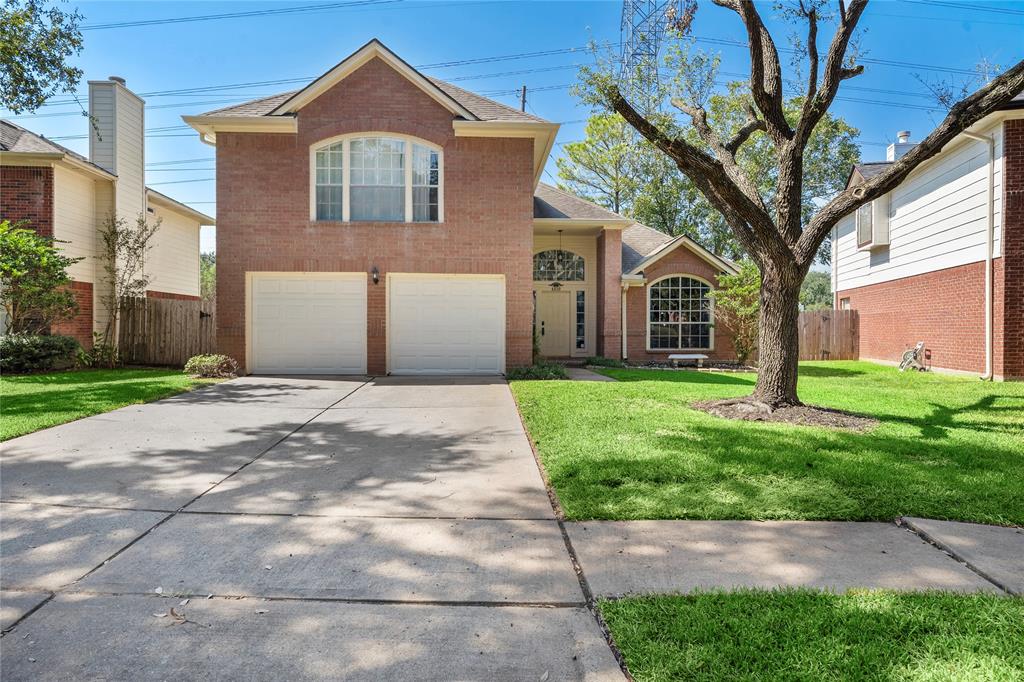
925,37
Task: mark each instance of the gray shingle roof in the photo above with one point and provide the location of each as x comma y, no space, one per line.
551,202
872,168
14,138
638,242
483,108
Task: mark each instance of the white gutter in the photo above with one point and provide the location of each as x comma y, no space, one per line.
989,238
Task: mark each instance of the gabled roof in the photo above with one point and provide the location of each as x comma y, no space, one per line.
464,104
638,242
865,171
161,199
668,247
17,140
549,202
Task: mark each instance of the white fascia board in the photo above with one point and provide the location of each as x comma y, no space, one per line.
209,126
697,249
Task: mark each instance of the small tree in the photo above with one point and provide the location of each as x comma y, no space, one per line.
33,280
208,276
123,250
738,306
816,291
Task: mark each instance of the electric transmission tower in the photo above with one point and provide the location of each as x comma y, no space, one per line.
644,24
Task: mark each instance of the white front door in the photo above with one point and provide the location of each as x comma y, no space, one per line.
446,324
554,322
308,323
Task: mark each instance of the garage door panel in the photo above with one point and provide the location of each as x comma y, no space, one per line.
309,324
452,324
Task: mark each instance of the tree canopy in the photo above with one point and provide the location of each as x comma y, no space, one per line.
36,43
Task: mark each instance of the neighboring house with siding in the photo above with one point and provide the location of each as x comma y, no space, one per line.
940,259
380,221
67,196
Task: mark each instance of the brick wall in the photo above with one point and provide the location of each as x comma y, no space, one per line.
1009,301
944,308
170,296
681,261
263,209
609,294
80,326
26,193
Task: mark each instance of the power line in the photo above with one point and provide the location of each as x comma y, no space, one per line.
181,182
237,15
180,161
973,7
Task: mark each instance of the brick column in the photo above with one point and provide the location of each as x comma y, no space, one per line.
1008,292
609,294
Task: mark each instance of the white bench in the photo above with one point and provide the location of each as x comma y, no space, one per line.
676,357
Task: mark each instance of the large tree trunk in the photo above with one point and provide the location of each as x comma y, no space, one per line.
779,339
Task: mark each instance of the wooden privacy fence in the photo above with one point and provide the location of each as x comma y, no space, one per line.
829,335
158,331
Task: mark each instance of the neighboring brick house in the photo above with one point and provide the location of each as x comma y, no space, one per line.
940,259
379,221
67,196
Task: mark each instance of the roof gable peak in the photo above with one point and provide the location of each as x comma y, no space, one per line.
371,50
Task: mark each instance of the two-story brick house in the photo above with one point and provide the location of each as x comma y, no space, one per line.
380,221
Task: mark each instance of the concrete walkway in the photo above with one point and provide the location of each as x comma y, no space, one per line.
299,528
581,374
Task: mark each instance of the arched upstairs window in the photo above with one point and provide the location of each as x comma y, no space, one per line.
680,314
380,178
556,265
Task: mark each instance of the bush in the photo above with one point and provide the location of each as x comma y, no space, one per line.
538,371
211,366
601,361
103,354
36,352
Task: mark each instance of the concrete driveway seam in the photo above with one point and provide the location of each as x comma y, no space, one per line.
916,529
171,515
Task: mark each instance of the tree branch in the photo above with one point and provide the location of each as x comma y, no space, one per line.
765,71
963,115
752,125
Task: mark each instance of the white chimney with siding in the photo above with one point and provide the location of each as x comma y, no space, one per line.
117,143
900,147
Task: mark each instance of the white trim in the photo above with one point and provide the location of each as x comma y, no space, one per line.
440,275
153,196
373,49
346,173
209,126
647,314
683,240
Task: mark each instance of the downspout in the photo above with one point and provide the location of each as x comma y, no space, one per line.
625,351
989,239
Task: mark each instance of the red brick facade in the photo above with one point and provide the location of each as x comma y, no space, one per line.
168,295
897,314
609,294
80,326
680,261
26,193
1009,295
263,186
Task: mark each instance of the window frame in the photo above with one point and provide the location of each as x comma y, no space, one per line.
647,314
346,173
867,209
575,256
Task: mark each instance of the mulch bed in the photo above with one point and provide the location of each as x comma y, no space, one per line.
803,415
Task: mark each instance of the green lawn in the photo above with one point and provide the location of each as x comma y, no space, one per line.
946,448
35,401
809,635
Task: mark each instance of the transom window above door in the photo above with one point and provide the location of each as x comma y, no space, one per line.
376,178
680,315
557,265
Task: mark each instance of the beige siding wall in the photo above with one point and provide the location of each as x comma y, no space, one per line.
101,129
75,219
104,207
586,247
131,189
937,219
174,261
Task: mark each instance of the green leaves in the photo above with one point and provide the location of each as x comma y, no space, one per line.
33,280
738,306
35,45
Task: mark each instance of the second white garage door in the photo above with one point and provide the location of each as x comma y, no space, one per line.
308,323
446,324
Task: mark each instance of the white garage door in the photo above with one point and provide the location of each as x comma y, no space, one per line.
446,324
309,323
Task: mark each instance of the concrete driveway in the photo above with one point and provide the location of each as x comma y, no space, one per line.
299,528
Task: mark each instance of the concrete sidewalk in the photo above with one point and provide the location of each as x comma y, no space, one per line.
641,557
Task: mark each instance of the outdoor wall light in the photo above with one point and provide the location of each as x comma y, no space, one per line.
375,275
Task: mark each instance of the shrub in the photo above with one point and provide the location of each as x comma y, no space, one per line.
211,366
36,352
103,354
33,280
538,371
601,361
